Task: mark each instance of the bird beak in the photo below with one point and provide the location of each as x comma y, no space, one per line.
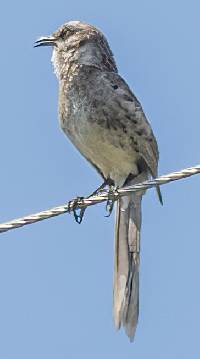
45,41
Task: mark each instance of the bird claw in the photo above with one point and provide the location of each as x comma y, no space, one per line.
109,207
77,212
110,202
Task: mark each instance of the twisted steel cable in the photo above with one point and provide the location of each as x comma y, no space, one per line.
81,203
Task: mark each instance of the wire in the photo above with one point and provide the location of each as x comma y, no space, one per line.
81,203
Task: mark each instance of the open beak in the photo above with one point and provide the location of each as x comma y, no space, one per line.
45,41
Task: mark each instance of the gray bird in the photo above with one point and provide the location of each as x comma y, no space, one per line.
104,120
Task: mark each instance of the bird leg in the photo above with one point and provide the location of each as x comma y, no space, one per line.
111,189
99,189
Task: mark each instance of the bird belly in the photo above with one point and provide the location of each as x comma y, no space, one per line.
107,149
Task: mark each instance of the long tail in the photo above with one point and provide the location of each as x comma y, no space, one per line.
126,267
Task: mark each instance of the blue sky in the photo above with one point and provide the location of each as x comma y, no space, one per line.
56,275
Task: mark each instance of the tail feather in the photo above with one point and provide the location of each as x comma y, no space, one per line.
126,266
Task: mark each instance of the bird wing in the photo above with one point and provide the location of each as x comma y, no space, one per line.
134,119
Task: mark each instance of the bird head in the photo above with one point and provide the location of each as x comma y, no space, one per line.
79,42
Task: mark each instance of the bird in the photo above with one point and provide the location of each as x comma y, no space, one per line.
104,120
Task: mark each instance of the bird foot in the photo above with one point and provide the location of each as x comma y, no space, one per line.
77,212
110,201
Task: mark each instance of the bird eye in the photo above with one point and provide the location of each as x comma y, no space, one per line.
115,87
62,35
67,31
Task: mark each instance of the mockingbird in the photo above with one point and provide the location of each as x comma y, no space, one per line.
104,120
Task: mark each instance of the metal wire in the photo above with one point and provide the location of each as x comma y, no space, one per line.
81,203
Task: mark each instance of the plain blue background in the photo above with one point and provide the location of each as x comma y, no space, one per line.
56,275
